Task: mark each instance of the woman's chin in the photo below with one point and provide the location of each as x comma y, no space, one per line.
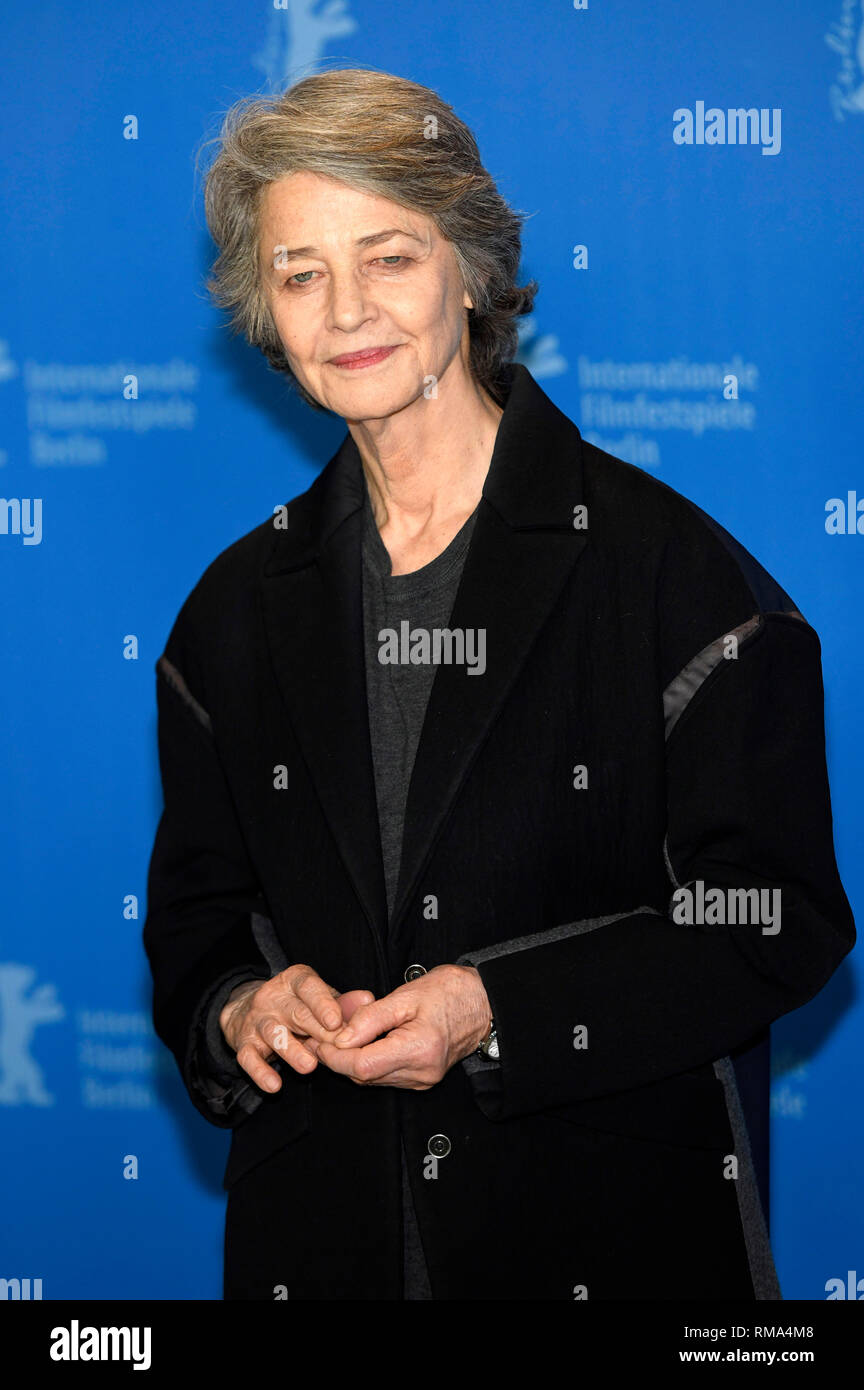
373,400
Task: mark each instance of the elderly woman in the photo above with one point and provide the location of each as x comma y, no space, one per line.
484,865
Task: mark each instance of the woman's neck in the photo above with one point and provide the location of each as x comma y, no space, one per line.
425,468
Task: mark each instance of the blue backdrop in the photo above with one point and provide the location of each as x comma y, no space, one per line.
699,315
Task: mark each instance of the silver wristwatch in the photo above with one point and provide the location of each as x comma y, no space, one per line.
489,1045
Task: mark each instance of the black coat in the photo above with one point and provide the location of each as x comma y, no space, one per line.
591,1163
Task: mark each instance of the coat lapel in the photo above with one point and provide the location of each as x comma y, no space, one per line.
313,616
523,547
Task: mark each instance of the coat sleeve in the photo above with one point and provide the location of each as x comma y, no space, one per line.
205,909
590,1008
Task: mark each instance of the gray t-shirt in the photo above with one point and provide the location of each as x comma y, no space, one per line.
398,694
397,697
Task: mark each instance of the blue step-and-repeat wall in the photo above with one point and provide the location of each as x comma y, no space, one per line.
671,257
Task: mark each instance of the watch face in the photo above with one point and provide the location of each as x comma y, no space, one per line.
493,1050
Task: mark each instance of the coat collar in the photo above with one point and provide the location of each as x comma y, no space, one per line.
523,547
525,496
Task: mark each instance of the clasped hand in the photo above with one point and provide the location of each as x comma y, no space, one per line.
409,1038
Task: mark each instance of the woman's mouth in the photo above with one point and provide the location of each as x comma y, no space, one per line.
366,357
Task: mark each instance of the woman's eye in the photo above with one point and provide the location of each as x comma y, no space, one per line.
304,277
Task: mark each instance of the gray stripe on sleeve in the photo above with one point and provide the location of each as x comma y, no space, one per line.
173,677
680,691
542,938
766,1285
268,943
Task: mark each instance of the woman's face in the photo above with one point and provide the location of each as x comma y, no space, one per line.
346,271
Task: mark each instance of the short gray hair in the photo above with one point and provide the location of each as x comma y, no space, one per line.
386,136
